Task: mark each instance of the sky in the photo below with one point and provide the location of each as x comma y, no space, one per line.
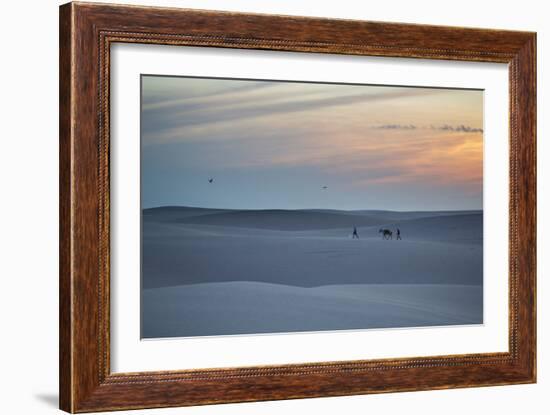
277,145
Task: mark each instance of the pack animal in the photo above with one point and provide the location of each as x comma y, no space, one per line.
386,233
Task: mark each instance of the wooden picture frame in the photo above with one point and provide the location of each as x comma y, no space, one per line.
86,33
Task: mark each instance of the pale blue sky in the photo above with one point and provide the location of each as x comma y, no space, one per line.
271,144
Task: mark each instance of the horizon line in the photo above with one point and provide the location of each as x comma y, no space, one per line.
310,209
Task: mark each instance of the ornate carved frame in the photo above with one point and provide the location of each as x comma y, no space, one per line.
86,33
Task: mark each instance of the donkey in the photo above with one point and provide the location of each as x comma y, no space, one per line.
386,233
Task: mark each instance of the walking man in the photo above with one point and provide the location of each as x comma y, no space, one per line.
398,234
355,235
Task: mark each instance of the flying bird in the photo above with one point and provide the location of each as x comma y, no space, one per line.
210,180
325,187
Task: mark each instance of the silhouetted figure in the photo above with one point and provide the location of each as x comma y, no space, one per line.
398,234
210,180
355,234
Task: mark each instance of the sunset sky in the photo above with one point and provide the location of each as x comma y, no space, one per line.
274,145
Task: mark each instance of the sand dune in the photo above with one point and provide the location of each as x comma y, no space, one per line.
178,256
288,220
283,220
309,253
226,308
457,228
466,228
173,214
175,254
392,215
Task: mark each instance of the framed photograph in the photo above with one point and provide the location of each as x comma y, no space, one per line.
258,207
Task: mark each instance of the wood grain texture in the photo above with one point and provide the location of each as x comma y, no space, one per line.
65,138
86,33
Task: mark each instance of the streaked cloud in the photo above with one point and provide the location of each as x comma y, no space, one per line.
458,128
167,120
384,147
152,102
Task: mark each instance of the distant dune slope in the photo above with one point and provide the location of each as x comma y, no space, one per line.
391,215
465,228
457,228
294,220
176,213
282,220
